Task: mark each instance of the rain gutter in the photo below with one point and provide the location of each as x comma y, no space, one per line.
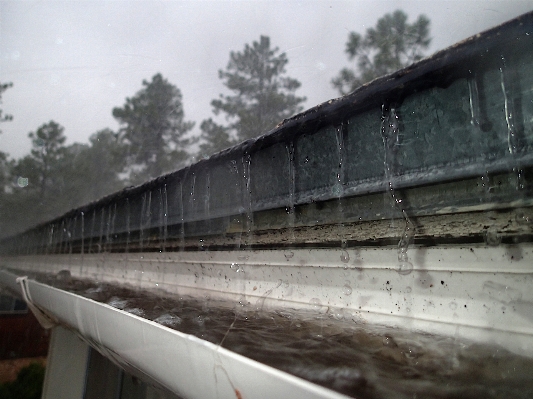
190,367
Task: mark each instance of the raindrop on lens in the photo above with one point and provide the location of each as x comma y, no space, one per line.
336,190
315,302
347,290
345,257
289,255
404,266
492,239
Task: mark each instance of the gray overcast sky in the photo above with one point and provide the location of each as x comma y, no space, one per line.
73,61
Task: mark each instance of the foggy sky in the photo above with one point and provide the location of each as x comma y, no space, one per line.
73,61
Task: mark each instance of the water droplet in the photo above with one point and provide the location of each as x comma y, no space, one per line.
242,302
338,315
289,255
315,302
347,290
492,238
453,305
389,341
501,292
408,290
404,268
345,257
336,190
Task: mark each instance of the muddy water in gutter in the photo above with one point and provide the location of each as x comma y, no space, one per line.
347,356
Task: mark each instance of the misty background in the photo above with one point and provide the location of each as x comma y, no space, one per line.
75,64
73,61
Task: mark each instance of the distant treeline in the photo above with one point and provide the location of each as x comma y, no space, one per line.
154,137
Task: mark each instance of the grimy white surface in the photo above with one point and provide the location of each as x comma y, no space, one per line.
481,293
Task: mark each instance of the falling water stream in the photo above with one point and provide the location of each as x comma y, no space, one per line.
390,131
356,359
292,188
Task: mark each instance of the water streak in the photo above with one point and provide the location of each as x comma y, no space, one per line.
82,233
61,238
475,108
182,218
50,242
163,218
261,301
101,235
247,196
514,142
390,131
292,182
338,188
91,234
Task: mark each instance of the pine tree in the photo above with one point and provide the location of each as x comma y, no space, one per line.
153,129
262,95
391,45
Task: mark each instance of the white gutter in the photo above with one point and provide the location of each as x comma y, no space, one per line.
479,293
186,365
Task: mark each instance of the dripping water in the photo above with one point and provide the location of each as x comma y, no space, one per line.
192,196
128,230
141,223
182,219
165,225
247,197
234,169
61,237
91,235
261,301
163,218
113,231
54,238
290,206
207,206
478,117
110,226
390,131
514,142
101,235
108,231
73,223
338,188
50,242
148,215
475,109
82,233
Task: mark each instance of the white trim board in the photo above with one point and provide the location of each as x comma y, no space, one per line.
479,293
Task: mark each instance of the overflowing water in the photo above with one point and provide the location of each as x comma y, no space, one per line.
335,351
